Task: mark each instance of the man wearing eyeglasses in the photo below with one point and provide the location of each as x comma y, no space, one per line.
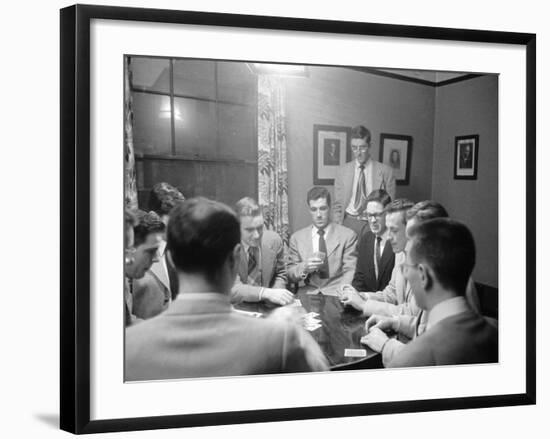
376,258
358,178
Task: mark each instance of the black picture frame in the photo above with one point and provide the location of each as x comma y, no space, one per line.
327,139
403,146
75,390
466,157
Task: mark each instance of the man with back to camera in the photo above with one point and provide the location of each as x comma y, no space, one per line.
410,326
200,335
322,255
153,292
358,178
375,258
440,260
262,269
148,235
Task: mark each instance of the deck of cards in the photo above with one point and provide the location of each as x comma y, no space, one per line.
310,322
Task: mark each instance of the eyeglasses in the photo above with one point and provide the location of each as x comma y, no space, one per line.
374,215
362,147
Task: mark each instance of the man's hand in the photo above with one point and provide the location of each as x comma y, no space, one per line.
383,323
375,339
349,296
313,263
279,296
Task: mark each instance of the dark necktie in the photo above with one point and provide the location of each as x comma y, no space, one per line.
377,254
361,191
252,261
323,270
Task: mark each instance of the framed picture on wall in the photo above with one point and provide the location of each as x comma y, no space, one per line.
396,152
331,149
466,156
95,394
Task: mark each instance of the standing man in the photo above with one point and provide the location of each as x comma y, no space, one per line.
375,258
358,178
154,291
322,255
262,270
200,335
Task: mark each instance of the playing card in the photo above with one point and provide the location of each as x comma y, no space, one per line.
355,353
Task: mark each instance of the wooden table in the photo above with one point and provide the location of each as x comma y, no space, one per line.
341,328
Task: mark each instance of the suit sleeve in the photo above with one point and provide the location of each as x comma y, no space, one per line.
415,353
280,277
338,205
349,259
388,294
244,293
295,263
301,353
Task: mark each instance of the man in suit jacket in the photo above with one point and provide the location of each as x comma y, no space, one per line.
153,292
440,260
200,335
262,268
358,178
322,255
375,258
148,236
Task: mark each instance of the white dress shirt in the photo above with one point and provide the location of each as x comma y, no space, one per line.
447,308
368,182
315,236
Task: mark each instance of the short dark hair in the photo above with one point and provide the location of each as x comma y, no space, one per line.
317,192
427,209
247,207
163,197
399,205
201,235
147,223
448,247
380,196
360,132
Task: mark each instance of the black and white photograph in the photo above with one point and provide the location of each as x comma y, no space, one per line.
266,225
466,157
396,152
238,262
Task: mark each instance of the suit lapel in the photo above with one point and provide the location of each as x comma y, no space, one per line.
160,273
332,240
243,266
268,256
386,257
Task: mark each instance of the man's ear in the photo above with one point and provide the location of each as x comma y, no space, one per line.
426,277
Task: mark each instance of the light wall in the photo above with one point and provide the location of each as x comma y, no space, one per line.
464,108
338,96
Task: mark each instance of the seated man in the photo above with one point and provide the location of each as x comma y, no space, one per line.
148,233
440,260
396,298
375,258
200,335
322,255
410,326
262,269
154,291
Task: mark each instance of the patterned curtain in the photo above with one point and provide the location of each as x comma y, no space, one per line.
130,186
272,168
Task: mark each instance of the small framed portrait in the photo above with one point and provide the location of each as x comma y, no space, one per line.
466,153
331,148
396,152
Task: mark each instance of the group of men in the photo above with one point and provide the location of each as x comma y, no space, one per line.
405,266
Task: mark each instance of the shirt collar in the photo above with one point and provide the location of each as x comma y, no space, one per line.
366,164
445,309
314,230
